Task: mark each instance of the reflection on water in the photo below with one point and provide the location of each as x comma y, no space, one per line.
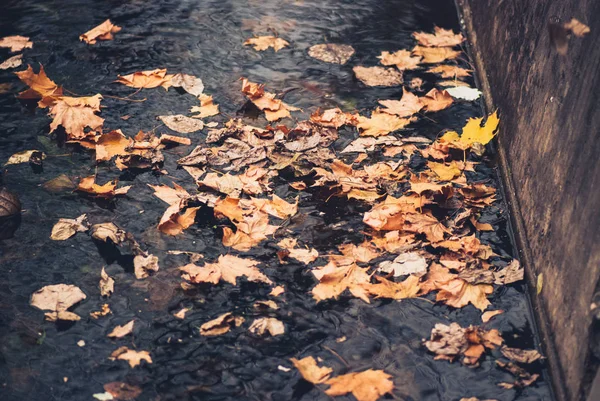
42,361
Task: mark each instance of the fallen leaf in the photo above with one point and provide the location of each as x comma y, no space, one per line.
436,100
75,114
144,264
486,316
206,109
276,207
274,109
221,325
228,268
333,118
123,391
449,71
445,172
459,293
263,325
108,190
464,93
378,76
434,55
146,79
310,371
474,132
402,59
512,273
408,105
539,284
381,123
24,157
189,83
408,288
304,255
104,31
386,216
261,43
525,356
106,396
277,291
182,124
266,305
578,28
122,331
334,280
181,314
368,385
12,62
107,284
362,253
16,43
405,263
134,358
111,144
106,231
105,310
57,299
331,53
440,38
40,86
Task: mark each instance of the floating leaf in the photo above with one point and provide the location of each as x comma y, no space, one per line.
310,371
261,43
57,299
378,76
368,385
104,31
331,53
16,43
264,325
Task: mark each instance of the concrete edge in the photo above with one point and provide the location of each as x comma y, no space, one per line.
516,220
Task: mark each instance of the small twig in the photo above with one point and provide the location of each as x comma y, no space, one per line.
338,355
126,99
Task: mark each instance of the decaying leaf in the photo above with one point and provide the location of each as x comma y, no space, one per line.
378,76
381,123
66,228
310,371
144,264
525,356
206,109
107,284
16,43
436,100
108,231
221,324
434,55
274,109
228,268
334,279
104,31
261,43
76,114
402,59
440,38
134,358
405,107
304,255
57,299
189,83
264,325
122,331
449,71
146,79
12,62
331,53
512,273
405,263
108,190
123,391
40,86
182,124
368,385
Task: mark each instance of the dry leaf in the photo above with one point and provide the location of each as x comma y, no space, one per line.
578,28
122,331
107,284
459,293
12,62
266,305
206,109
434,55
449,71
107,190
261,43
16,43
123,391
462,92
408,288
104,31
310,371
368,385
102,312
106,231
221,325
380,124
436,100
75,114
512,273
57,299
182,124
304,255
378,76
333,118
405,263
408,105
334,280
331,53
144,264
525,356
134,358
146,79
441,37
486,316
276,207
228,268
274,109
66,228
189,83
277,291
263,325
181,314
402,59
40,86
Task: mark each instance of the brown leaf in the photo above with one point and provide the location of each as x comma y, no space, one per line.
405,107
449,71
451,341
206,109
177,218
221,325
578,28
252,230
521,355
75,114
331,53
189,83
134,358
123,391
434,55
182,124
106,231
144,264
277,291
378,76
441,37
40,86
436,100
304,255
107,190
122,331
269,325
105,310
261,43
368,385
111,144
408,288
276,207
310,371
334,280
168,194
107,284
402,59
486,316
104,31
274,109
405,263
12,62
146,79
512,273
385,217
362,253
57,299
333,118
458,293
16,43
228,268
66,228
381,123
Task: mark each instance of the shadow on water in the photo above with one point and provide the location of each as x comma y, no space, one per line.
42,361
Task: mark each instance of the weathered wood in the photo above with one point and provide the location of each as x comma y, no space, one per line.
549,147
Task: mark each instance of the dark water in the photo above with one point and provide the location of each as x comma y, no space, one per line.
204,38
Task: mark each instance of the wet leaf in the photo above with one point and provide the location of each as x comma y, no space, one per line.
408,288
40,86
112,144
228,268
66,228
436,100
402,59
441,37
405,107
23,157
335,279
143,265
277,291
524,378
486,316
262,43
57,299
525,356
331,53
310,371
206,109
512,273
276,207
104,31
368,385
459,293
264,325
105,231
12,62
252,230
107,284
434,55
449,71
378,76
182,124
146,79
304,255
16,43
75,114
181,314
134,358
221,325
445,172
405,263
578,28
123,391
380,124
189,83
274,109
108,190
105,310
122,331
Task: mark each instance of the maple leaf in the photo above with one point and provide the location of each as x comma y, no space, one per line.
104,31
264,325
368,385
334,280
434,55
362,253
402,59
251,231
310,371
57,299
331,53
405,263
445,172
143,264
107,284
385,216
459,293
40,86
436,100
378,76
134,358
408,105
122,331
274,109
474,132
395,242
16,43
177,218
304,255
66,228
206,109
333,118
408,288
440,38
228,268
108,190
486,316
381,123
449,71
221,325
262,43
146,79
276,207
74,114
525,356
111,144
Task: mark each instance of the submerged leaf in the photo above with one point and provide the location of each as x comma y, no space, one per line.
331,53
